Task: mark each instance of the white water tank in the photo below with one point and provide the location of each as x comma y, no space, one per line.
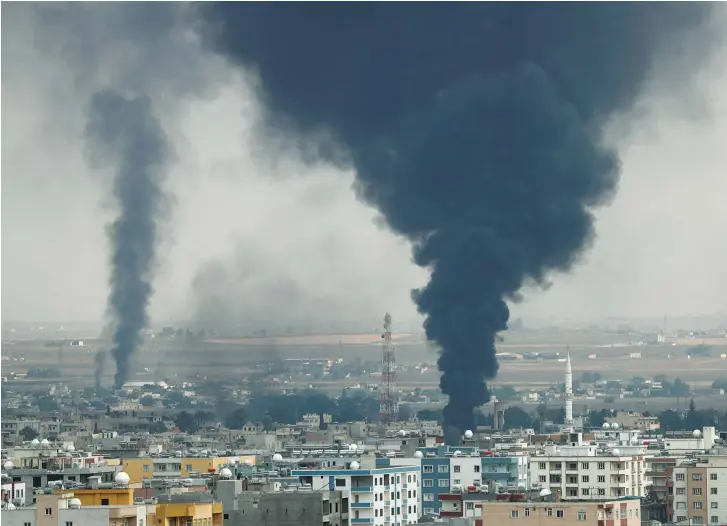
122,478
225,473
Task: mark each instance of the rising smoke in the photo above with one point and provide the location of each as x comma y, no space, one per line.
124,134
475,128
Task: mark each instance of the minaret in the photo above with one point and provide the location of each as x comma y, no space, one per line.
568,393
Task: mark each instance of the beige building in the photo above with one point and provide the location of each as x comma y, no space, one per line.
699,490
633,420
625,511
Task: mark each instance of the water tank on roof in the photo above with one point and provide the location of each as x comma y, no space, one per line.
418,454
122,478
354,465
225,473
44,443
468,434
35,442
696,433
74,503
277,457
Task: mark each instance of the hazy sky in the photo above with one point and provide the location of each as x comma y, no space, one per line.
254,232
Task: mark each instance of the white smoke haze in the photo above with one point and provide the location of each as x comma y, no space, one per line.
260,238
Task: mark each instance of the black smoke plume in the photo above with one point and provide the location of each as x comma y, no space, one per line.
475,128
99,361
124,134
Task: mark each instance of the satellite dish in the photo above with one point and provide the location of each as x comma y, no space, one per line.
277,457
545,492
468,434
696,433
354,465
418,454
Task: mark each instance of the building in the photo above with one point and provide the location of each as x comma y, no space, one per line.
699,490
580,471
624,512
633,420
142,468
500,471
376,495
14,492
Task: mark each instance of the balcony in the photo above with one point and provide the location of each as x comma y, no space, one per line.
361,504
362,521
362,489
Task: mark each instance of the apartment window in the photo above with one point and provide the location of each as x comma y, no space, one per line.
712,476
586,491
189,467
601,465
514,514
582,516
457,482
697,505
145,468
428,510
714,519
429,483
601,492
49,511
542,478
602,479
527,512
681,505
696,476
584,465
696,491
712,491
681,491
443,468
680,477
549,512
541,465
69,523
26,524
429,497
713,505
456,469
470,505
340,483
477,469
585,478
428,469
681,518
697,520
443,483
559,513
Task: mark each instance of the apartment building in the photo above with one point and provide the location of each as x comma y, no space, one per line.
581,472
699,490
506,471
377,495
142,468
624,512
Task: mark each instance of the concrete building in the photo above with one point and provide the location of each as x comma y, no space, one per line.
580,471
14,492
624,512
142,468
633,420
377,495
699,490
500,471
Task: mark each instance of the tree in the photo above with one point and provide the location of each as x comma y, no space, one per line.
147,401
47,404
28,433
693,420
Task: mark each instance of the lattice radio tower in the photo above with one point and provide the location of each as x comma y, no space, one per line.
389,407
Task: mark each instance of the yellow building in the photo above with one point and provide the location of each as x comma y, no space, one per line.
105,497
139,469
187,513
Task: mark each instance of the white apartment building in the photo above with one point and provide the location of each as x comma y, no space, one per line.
700,490
379,496
465,471
582,471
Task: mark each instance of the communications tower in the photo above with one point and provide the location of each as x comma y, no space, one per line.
389,406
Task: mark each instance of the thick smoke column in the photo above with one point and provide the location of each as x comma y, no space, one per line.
475,128
124,133
99,361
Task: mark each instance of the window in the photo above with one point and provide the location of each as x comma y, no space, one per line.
697,520
104,502
443,483
585,478
428,510
681,505
681,491
697,505
602,478
49,511
680,477
527,512
601,465
601,492
714,519
429,497
712,491
69,523
26,524
145,468
712,476
559,513
542,478
429,483
584,465
696,476
541,465
428,469
443,468
514,514
582,516
477,469
456,469
696,491
340,483
549,512
470,505
681,518
586,491
457,482
713,505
